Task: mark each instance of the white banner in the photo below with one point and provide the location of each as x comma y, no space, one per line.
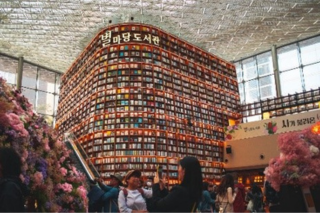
272,126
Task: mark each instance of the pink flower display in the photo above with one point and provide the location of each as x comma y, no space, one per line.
298,163
54,183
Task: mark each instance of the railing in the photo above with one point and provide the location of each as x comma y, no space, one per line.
84,159
284,105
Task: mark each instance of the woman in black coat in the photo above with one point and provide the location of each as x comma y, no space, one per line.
12,190
184,197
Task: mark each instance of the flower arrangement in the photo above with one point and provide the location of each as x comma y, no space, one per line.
270,127
229,130
298,163
47,170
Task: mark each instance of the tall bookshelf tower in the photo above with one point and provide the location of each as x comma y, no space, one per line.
138,96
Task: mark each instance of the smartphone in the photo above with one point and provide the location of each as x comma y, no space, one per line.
159,171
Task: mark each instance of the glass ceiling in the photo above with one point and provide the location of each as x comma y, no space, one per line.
53,33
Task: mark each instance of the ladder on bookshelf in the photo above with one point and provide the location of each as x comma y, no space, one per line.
82,157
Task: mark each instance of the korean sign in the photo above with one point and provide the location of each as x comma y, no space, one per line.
109,37
272,126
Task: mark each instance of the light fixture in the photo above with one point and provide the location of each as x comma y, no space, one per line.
316,128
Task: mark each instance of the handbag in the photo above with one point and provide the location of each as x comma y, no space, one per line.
218,207
250,206
193,208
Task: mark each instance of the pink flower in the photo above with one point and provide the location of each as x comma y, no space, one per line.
38,178
299,160
41,151
63,171
62,159
82,191
16,124
75,171
66,187
274,129
58,144
46,145
230,128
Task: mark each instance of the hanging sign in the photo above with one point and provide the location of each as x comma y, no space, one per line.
272,126
109,37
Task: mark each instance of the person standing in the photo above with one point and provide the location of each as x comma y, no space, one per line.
206,202
272,197
12,190
95,197
111,193
226,194
256,196
184,197
212,191
239,201
132,198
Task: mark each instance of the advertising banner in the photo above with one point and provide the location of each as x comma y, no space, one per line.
272,126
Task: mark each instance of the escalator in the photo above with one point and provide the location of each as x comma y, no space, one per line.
80,157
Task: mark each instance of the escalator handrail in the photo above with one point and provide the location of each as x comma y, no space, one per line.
83,159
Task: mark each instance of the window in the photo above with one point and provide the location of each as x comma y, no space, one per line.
239,71
312,76
288,57
46,80
30,94
255,78
249,69
45,103
29,76
290,82
38,85
310,51
241,93
264,62
8,69
299,66
252,91
267,87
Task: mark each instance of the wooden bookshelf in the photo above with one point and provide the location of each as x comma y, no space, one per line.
138,96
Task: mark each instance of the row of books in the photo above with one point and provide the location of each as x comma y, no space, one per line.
185,52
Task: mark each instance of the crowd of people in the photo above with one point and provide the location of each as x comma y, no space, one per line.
128,194
191,195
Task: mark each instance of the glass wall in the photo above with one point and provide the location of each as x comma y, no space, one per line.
299,70
40,85
8,69
299,66
256,78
